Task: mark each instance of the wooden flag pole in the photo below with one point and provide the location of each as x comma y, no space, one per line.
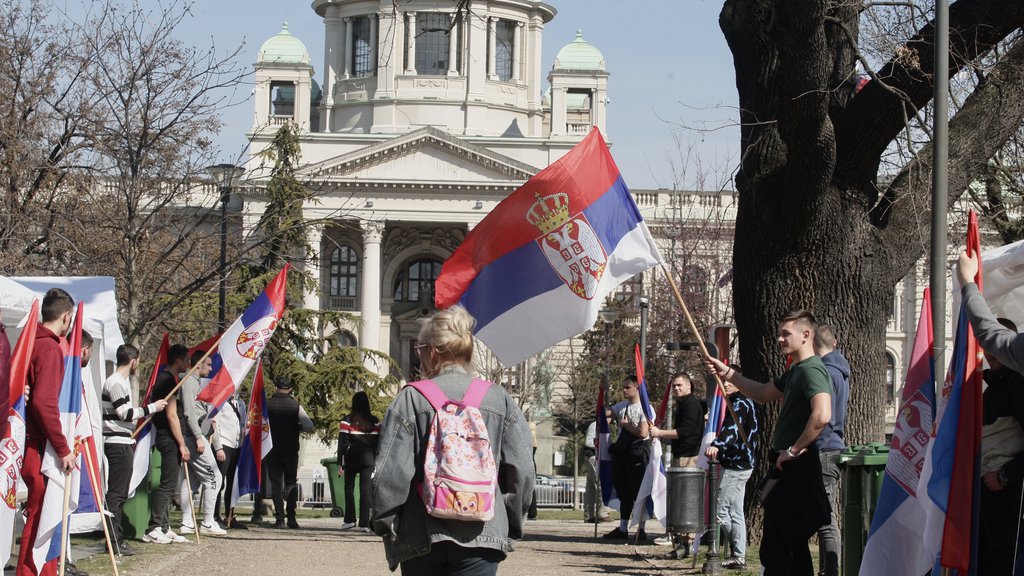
704,349
64,522
180,381
99,504
192,507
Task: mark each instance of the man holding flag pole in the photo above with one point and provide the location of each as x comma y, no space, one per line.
43,418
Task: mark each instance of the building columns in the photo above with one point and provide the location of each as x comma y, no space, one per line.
517,50
410,47
373,44
453,41
348,47
369,285
492,45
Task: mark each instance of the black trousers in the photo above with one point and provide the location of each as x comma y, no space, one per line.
170,467
227,470
283,466
364,473
999,518
450,559
795,506
119,476
628,468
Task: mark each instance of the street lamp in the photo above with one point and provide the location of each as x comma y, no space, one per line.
225,176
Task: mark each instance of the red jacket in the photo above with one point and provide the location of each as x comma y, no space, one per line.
45,373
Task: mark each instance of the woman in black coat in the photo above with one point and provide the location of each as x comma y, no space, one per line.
357,446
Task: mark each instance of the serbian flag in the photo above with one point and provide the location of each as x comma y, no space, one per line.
713,424
536,270
76,428
12,447
245,340
256,443
144,436
894,543
604,456
654,484
951,480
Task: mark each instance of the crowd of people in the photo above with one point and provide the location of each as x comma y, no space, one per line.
452,525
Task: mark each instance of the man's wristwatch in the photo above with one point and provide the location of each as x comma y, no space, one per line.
789,451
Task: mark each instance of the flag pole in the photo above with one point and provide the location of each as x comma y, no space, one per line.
703,348
99,504
181,380
64,522
192,508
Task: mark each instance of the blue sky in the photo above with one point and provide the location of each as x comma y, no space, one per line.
672,115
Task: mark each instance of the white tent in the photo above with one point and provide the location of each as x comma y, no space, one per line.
15,303
1002,283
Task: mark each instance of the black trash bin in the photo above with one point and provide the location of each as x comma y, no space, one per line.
684,509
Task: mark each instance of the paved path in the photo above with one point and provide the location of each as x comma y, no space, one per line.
320,547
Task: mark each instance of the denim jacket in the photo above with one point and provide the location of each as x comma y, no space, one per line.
398,512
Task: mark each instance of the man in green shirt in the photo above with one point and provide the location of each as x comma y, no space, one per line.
794,497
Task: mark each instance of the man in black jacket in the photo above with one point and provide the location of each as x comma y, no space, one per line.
287,421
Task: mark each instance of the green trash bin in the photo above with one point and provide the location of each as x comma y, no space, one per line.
135,512
337,484
863,471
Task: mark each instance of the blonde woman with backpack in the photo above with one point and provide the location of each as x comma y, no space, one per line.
458,509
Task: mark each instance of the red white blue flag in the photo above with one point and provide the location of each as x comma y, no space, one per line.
894,543
951,479
536,270
654,484
144,435
245,340
256,443
76,428
12,447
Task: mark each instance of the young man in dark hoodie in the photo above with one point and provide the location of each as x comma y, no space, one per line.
42,415
830,443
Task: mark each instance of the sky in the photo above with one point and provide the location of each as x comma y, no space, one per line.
672,117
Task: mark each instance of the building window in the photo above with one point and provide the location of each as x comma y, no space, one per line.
344,272
504,32
345,339
417,282
890,378
282,99
361,49
432,36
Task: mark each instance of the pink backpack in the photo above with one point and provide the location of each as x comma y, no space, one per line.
460,476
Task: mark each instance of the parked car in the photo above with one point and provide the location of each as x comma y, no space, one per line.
555,492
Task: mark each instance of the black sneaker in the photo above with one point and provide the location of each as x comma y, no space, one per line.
236,525
616,534
256,519
71,570
124,549
279,523
293,524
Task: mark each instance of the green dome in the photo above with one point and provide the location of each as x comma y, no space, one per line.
579,55
283,48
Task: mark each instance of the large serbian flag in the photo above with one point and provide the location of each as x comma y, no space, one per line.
950,486
536,270
894,544
144,435
256,443
76,428
245,340
12,447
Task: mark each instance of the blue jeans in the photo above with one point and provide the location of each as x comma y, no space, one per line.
731,490
829,538
447,558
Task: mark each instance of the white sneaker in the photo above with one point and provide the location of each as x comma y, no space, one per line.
176,538
212,529
663,541
156,536
186,529
348,525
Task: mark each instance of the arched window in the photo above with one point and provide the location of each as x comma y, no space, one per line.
345,339
890,378
417,281
344,272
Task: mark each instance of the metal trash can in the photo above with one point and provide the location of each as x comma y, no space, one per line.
685,500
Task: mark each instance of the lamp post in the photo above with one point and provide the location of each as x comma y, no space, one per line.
225,176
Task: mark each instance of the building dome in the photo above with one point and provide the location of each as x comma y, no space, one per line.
283,48
579,55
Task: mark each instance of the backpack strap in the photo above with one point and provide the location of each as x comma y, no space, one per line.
431,392
475,393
